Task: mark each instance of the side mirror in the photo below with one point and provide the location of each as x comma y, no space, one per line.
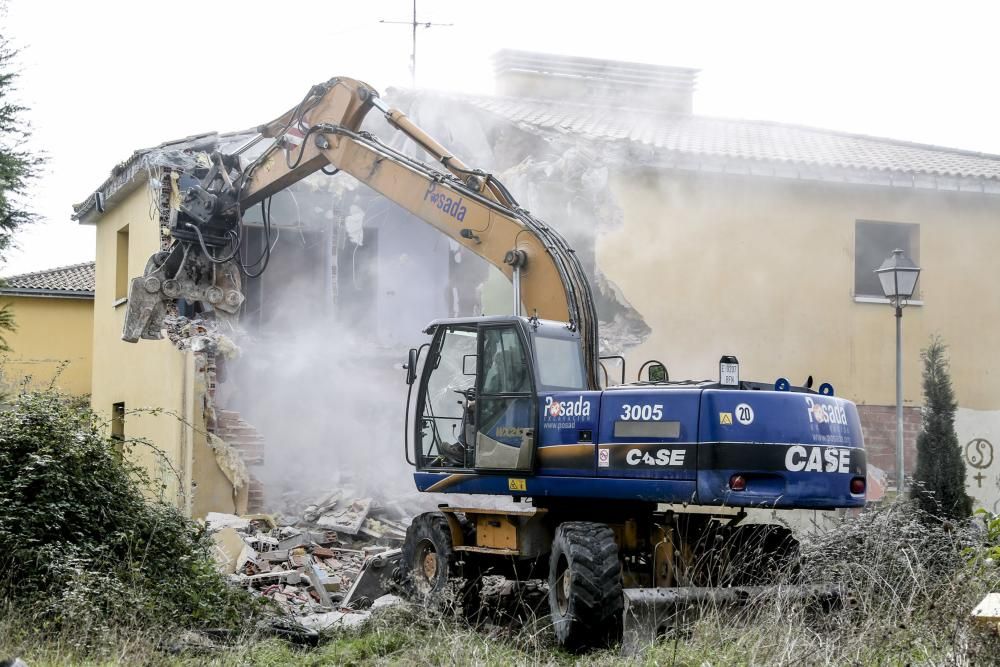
411,366
469,364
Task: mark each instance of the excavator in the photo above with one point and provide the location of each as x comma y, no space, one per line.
629,498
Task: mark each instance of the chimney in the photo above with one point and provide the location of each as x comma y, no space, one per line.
594,81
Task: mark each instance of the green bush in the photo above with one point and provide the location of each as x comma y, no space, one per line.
81,547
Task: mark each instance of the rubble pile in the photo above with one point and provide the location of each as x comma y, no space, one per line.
329,567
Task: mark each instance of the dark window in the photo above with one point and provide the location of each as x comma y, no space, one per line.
118,421
121,264
873,243
118,426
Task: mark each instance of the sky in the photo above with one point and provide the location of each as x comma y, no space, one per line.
107,77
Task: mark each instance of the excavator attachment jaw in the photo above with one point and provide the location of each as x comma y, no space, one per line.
204,223
183,272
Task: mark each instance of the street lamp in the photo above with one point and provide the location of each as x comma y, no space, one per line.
898,276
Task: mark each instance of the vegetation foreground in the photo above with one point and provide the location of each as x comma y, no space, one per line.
95,573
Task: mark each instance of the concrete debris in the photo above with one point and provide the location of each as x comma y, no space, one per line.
333,619
340,557
347,519
987,611
199,335
232,552
218,521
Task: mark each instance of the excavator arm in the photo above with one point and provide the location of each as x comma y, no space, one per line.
469,206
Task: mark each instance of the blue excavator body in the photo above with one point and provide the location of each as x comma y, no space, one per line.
701,443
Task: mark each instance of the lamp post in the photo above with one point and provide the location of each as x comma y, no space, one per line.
898,276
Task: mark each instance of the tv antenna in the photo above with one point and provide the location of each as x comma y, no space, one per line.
414,24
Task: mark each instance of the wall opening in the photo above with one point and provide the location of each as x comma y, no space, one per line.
873,242
121,264
118,426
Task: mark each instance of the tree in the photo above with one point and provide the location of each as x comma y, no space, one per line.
940,475
18,166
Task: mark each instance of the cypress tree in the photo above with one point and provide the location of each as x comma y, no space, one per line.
940,475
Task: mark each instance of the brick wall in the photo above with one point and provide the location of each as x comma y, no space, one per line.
878,422
244,438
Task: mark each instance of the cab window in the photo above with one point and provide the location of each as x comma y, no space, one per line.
560,366
505,369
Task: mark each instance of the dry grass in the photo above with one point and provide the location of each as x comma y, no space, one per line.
913,583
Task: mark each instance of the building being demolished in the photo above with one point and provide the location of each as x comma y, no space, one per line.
692,230
351,280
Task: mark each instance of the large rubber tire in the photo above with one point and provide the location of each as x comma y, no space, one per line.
585,586
434,573
427,552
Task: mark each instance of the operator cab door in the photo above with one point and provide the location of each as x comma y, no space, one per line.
505,401
445,431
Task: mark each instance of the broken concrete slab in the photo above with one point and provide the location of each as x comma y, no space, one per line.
302,540
987,611
219,520
348,519
387,600
231,552
377,529
276,556
291,577
333,619
324,506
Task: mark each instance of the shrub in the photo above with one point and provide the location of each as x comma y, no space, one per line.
82,547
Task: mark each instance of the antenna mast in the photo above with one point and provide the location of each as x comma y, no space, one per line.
414,24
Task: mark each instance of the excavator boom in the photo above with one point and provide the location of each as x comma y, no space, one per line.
470,206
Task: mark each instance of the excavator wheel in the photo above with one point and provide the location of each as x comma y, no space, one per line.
435,574
585,586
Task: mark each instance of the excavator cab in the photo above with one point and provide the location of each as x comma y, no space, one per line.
477,399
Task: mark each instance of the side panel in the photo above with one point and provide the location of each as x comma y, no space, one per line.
568,428
648,490
649,434
794,450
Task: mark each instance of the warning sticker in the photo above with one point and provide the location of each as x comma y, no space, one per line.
603,457
726,418
516,484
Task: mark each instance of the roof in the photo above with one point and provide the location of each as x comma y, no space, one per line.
143,164
75,282
644,138
705,143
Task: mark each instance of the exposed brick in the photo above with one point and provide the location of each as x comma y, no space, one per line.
878,423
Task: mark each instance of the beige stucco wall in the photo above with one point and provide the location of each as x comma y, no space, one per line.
159,384
764,269
52,344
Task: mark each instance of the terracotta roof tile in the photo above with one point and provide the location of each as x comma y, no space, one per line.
76,279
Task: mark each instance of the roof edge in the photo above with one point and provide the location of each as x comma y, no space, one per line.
49,293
